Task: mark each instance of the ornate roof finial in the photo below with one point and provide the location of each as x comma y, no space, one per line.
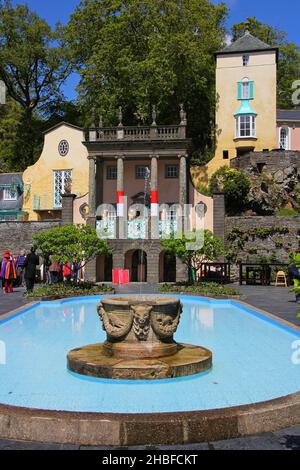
120,117
247,32
154,115
182,115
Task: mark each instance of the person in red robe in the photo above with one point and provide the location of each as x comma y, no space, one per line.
8,272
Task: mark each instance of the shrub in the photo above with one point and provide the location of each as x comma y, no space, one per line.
205,288
235,185
63,289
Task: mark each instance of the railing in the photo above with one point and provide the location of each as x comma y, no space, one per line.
260,273
107,134
44,203
21,217
136,229
106,229
167,228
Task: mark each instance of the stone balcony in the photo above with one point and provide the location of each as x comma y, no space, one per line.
138,133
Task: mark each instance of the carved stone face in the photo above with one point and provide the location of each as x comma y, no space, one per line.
141,321
141,313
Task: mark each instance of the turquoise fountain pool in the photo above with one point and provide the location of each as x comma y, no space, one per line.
254,360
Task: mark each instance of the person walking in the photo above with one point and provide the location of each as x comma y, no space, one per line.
32,261
8,272
20,265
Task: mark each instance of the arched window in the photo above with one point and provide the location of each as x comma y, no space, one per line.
284,138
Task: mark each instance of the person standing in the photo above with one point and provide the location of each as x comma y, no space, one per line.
21,267
8,272
32,261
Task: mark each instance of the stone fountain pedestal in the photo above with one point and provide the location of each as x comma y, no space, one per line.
139,344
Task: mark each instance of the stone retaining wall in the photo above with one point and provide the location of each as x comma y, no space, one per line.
15,236
277,245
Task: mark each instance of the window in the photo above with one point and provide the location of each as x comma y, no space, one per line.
10,194
142,172
111,173
284,138
63,148
62,184
245,126
225,154
171,171
246,90
246,58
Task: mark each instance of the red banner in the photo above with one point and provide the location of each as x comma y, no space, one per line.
154,197
120,197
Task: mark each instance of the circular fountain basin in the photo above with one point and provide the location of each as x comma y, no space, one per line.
139,343
253,386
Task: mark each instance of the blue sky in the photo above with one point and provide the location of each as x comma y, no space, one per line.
284,15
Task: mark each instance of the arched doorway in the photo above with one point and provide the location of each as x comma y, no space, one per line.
167,267
136,262
104,268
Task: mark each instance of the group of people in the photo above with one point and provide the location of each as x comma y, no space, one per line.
53,272
22,271
19,270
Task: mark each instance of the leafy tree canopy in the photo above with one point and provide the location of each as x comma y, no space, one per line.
289,55
210,250
33,61
71,243
33,65
139,54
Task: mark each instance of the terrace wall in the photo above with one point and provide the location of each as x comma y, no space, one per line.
18,235
277,245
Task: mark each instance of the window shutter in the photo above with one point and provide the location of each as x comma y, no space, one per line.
240,91
251,90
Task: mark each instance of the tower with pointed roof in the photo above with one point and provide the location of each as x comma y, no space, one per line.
246,86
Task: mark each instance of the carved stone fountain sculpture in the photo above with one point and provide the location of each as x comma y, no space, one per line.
139,342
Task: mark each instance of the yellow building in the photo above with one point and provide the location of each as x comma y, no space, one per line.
63,166
246,90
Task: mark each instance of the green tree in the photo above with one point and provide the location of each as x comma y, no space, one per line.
139,54
289,55
33,66
71,243
234,184
210,250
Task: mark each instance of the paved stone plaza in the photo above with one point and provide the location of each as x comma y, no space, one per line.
278,301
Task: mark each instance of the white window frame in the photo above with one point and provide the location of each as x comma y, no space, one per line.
246,90
66,175
7,194
288,140
172,171
141,172
111,173
252,126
